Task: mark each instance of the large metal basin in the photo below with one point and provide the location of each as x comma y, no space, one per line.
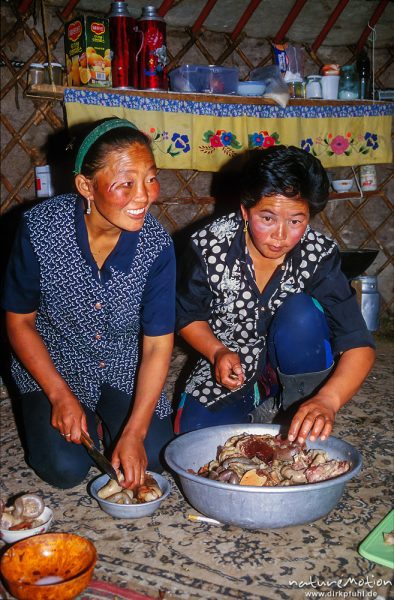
254,507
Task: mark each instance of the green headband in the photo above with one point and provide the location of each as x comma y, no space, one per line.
94,135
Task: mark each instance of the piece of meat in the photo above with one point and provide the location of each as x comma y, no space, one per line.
327,470
268,460
389,538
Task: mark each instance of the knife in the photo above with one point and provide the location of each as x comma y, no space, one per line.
98,457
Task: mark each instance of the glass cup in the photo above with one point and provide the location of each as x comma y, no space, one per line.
313,87
348,83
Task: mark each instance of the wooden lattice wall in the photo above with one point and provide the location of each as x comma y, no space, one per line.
186,197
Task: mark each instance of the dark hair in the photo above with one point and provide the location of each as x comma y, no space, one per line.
115,139
284,170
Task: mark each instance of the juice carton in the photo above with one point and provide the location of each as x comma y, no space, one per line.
88,54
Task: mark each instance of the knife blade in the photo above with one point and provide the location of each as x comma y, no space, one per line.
98,456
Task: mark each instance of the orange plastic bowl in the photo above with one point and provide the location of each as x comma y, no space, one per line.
51,566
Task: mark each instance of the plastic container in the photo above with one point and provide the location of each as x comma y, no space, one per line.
329,85
186,78
36,74
219,80
275,86
374,548
368,178
44,188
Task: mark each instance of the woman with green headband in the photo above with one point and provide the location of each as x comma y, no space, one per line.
89,297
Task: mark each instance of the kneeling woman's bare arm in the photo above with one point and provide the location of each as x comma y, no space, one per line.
129,452
316,416
68,415
227,364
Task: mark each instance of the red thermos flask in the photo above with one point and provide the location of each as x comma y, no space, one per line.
123,46
152,54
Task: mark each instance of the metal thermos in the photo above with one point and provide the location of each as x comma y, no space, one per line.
370,300
152,55
123,46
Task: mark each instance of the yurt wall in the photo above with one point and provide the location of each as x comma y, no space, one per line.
27,122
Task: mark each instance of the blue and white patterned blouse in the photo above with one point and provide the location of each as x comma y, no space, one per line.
91,320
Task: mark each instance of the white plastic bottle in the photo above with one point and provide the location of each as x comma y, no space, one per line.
44,187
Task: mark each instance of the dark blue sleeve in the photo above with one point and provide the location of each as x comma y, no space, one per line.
21,291
194,296
158,301
331,288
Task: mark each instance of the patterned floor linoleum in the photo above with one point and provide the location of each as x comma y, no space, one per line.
168,556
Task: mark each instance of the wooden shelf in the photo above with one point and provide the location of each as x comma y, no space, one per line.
45,91
57,93
353,195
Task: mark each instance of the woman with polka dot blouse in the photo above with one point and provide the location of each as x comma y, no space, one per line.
262,298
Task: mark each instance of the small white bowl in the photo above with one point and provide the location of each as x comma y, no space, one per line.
130,511
251,88
342,185
10,536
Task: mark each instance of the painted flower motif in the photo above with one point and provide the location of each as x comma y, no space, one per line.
268,141
307,144
226,138
181,142
257,139
372,140
263,139
339,144
216,141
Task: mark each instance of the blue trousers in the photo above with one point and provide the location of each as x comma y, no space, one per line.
297,342
64,464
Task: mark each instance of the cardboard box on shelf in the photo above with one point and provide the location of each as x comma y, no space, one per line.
88,54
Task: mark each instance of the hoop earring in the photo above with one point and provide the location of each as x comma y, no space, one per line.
245,226
88,207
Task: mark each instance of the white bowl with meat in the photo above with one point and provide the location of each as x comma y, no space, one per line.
130,504
24,516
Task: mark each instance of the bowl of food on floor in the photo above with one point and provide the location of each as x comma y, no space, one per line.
252,477
135,503
23,516
49,566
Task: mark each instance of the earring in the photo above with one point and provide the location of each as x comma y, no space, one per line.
245,226
88,207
